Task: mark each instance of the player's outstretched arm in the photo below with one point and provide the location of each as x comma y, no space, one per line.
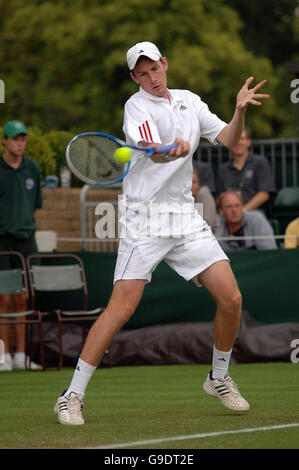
231,134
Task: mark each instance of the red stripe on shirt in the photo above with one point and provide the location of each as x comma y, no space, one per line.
140,131
149,131
145,132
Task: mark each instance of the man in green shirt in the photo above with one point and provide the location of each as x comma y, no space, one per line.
20,195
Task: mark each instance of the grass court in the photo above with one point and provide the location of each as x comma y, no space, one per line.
153,407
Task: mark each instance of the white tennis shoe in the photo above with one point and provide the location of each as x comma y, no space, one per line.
7,365
69,409
227,391
19,364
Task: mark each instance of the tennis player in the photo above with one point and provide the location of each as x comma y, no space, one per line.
158,115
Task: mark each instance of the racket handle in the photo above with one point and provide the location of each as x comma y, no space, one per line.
165,148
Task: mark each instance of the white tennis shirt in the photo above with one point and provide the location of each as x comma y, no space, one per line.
153,119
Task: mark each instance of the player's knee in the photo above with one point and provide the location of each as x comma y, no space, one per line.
231,304
237,301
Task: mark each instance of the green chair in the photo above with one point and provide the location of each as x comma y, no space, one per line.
276,230
63,276
13,280
286,206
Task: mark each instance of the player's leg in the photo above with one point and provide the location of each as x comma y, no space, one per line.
124,300
136,261
205,262
220,281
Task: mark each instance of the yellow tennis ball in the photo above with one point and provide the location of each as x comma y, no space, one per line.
122,154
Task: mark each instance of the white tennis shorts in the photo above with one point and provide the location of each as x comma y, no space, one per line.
187,255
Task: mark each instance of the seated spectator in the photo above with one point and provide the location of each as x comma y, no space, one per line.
292,229
248,174
238,223
206,173
202,194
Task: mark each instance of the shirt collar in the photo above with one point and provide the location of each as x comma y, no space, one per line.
174,97
248,160
24,162
226,230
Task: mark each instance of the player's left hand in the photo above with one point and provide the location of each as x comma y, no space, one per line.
246,95
182,150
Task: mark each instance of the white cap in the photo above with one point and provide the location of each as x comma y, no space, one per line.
147,49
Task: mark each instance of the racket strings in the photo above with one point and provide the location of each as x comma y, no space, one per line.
92,156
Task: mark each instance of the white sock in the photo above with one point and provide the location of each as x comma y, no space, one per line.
81,377
19,356
7,357
220,363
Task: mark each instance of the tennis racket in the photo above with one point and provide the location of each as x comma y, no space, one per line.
90,157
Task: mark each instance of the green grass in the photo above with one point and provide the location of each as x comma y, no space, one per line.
125,404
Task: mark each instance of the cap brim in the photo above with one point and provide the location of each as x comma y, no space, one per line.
14,134
153,57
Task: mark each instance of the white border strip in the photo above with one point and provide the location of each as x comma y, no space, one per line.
193,436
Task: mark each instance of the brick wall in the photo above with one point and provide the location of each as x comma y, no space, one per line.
61,213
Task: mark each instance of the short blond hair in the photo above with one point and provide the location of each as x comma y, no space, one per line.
225,193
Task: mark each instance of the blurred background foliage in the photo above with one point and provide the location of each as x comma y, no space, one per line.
47,149
64,63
